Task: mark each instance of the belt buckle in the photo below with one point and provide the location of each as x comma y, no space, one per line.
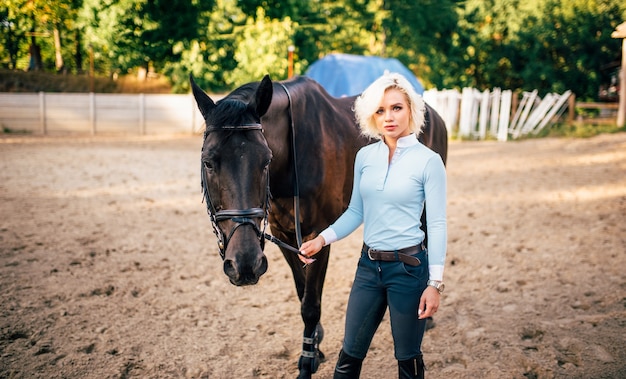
369,254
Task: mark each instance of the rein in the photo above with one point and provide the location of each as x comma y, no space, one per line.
246,216
296,186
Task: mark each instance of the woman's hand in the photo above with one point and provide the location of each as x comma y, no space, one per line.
429,303
310,248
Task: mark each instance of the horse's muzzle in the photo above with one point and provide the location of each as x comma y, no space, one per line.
245,272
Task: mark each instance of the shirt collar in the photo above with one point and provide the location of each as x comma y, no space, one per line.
407,141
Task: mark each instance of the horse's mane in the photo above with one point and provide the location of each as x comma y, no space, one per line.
231,110
302,86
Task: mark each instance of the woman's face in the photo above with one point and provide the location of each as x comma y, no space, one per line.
393,115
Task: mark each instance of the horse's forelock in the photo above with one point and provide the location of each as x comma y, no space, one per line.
230,112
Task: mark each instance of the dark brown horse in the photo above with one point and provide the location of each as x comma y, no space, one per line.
283,154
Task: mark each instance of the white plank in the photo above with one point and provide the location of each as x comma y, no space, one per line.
484,115
505,114
561,100
538,113
528,101
495,109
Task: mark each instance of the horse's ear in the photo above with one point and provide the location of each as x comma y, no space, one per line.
205,104
263,98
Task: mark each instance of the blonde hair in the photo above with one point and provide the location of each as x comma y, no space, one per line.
366,105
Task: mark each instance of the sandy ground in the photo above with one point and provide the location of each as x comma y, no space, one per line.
109,268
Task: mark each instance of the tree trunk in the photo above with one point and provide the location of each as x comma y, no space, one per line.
35,63
58,57
12,46
78,55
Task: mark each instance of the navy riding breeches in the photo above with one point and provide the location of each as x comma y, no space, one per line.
378,285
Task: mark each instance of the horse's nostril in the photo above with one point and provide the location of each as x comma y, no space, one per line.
262,266
230,269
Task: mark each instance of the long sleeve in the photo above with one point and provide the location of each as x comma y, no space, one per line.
436,220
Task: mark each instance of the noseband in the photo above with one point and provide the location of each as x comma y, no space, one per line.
239,216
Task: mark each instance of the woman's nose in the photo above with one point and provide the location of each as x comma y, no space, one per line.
388,115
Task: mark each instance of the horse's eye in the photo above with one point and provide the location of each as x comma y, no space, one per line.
208,165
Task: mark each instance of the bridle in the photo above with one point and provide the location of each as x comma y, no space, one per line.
246,216
239,216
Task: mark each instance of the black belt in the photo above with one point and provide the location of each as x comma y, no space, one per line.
402,255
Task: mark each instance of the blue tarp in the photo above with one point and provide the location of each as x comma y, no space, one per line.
347,75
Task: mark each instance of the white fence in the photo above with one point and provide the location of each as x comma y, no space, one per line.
53,113
475,114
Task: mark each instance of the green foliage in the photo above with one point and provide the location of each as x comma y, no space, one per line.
211,56
566,46
135,33
28,24
262,48
549,45
418,34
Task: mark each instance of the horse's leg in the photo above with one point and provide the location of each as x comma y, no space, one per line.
435,136
311,310
309,284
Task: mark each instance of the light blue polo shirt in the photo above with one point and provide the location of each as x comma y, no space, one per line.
388,200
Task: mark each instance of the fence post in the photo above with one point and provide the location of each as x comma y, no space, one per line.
92,112
621,110
42,112
142,114
571,109
620,32
193,114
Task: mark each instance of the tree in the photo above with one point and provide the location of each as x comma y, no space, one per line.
130,33
566,44
261,49
416,33
44,30
478,54
12,34
210,57
550,45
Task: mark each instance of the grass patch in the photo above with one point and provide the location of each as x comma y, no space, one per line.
559,130
578,130
7,130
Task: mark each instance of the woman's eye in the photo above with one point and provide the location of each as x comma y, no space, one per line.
380,111
397,108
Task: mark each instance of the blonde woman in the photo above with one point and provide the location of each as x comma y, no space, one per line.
394,180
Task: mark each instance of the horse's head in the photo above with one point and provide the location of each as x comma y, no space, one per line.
235,176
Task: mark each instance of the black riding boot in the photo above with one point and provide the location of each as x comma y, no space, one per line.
411,368
347,367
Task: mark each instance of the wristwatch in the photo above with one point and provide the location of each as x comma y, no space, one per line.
437,284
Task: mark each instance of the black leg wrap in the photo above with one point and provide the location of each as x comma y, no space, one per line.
311,356
347,367
411,368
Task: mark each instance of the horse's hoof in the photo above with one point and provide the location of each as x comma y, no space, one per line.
308,366
322,357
